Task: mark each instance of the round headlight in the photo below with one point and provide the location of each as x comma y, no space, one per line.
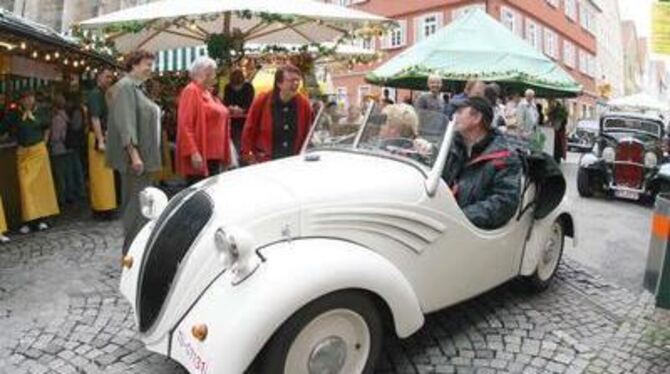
608,154
227,247
152,202
236,251
650,160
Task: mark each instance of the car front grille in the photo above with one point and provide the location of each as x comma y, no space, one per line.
629,169
175,231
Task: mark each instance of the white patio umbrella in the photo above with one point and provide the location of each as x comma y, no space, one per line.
640,101
169,24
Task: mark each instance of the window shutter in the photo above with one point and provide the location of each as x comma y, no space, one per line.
403,32
418,26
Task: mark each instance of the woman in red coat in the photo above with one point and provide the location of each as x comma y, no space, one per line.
278,121
203,126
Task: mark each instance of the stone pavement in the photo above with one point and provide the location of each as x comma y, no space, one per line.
60,312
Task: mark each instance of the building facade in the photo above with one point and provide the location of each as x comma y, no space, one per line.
564,30
62,14
633,60
610,57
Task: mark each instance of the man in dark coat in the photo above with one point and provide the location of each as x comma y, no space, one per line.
483,172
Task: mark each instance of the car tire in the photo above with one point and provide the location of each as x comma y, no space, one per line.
326,336
584,183
547,266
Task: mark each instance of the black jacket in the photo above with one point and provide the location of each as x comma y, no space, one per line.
486,185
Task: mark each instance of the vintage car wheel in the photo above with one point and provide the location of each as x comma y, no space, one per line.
338,333
584,183
550,258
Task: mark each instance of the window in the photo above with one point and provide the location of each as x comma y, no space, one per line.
363,91
550,43
456,13
553,3
583,62
571,9
426,25
569,54
586,18
396,37
534,34
342,96
508,18
364,43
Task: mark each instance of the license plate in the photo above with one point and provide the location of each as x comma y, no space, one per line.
630,195
193,357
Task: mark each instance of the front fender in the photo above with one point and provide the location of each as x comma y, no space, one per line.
588,160
242,318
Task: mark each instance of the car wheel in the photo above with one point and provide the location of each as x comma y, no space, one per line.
550,258
338,333
584,183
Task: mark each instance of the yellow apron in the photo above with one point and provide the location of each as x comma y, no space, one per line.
3,222
101,179
167,173
36,183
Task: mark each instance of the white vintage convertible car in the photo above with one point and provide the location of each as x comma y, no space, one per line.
300,265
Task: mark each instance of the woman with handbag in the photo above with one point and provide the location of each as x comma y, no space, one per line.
133,139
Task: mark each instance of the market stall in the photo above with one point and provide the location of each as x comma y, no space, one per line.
37,57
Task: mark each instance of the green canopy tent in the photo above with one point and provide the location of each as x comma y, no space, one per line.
476,46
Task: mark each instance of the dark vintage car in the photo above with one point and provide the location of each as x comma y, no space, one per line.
583,137
627,160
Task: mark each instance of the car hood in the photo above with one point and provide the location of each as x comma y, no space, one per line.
282,199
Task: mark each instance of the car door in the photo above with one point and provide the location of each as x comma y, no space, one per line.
465,261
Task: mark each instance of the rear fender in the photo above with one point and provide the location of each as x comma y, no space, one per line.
242,318
539,235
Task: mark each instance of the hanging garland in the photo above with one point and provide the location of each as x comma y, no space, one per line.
225,47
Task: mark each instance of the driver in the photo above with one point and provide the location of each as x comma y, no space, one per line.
482,171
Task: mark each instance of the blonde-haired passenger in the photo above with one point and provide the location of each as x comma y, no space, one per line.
400,133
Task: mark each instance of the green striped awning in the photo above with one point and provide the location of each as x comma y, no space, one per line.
177,59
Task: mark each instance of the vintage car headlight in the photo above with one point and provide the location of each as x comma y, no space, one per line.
152,202
608,154
236,252
650,160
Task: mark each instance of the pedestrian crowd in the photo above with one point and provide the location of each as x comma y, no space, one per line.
110,144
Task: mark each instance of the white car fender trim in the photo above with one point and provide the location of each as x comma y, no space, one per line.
242,318
587,160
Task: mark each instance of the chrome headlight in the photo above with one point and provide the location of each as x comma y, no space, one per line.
236,252
152,202
609,155
650,160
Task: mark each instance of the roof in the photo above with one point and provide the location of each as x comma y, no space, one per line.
632,115
22,29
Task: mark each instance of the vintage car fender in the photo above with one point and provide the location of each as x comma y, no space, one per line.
241,319
588,160
539,234
663,172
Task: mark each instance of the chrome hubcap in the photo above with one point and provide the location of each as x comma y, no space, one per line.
335,342
551,252
328,357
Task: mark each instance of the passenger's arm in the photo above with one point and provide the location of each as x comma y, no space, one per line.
503,200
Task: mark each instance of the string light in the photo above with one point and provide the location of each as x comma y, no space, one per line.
23,45
66,62
56,55
47,57
35,54
75,63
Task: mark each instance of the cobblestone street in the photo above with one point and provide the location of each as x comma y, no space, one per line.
60,312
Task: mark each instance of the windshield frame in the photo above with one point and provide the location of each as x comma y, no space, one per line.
355,148
605,130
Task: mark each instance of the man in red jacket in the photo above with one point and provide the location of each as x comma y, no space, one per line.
278,121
